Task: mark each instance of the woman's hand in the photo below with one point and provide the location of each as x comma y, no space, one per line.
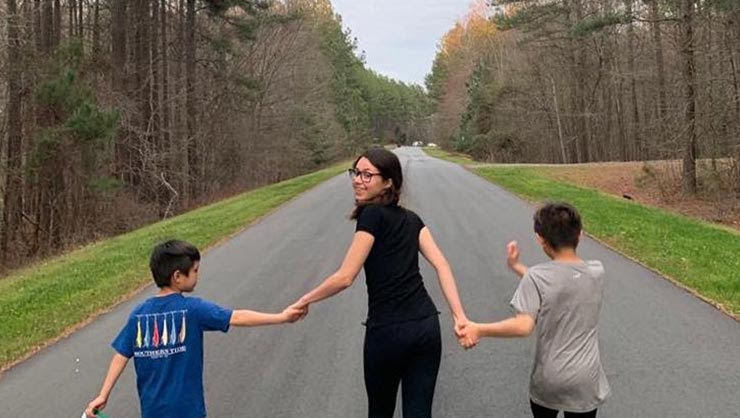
468,334
295,312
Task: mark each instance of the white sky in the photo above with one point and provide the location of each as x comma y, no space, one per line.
400,37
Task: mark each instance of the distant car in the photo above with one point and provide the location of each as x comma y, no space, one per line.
417,144
432,145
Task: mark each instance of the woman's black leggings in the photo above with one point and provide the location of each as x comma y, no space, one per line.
539,411
406,352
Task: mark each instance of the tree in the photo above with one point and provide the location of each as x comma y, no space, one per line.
689,96
13,193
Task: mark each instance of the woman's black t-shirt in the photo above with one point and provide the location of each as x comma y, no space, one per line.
395,288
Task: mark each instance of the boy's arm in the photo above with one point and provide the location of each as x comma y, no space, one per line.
247,318
512,259
117,365
520,325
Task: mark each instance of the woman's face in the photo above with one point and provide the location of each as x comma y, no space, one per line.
368,183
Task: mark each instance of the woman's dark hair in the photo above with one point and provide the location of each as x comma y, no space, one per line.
169,257
559,224
389,167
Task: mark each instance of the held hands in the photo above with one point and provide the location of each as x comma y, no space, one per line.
468,334
295,312
462,332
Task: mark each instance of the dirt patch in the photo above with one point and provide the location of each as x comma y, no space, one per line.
658,183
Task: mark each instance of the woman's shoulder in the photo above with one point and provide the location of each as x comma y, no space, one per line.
412,214
387,211
370,210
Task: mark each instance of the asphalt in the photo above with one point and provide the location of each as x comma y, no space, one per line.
666,353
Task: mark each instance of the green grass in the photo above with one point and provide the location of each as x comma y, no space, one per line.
41,302
453,157
699,255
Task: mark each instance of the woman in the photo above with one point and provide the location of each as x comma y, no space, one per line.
402,337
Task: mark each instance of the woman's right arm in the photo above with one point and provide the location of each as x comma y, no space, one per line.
343,278
433,254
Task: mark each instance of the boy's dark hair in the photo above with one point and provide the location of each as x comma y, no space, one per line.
559,224
169,257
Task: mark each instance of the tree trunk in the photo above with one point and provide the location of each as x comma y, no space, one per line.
659,61
143,98
38,33
45,117
577,60
638,152
689,96
96,50
57,31
80,20
190,104
13,194
178,147
560,125
118,82
156,106
72,28
734,69
47,27
165,107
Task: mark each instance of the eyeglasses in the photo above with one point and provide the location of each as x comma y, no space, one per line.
365,176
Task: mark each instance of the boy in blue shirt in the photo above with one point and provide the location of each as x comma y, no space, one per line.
164,335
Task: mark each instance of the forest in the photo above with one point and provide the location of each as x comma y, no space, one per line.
578,81
118,113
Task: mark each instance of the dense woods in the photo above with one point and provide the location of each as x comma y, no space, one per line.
575,81
116,113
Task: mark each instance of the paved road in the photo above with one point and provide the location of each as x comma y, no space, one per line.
666,353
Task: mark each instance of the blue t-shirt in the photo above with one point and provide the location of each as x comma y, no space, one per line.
164,335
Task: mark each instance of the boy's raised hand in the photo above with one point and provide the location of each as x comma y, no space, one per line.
512,259
512,253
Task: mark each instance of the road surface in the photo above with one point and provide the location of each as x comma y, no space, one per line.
665,352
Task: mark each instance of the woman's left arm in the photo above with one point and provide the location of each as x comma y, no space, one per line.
343,278
434,255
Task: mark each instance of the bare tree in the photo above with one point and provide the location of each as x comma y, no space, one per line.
689,96
12,197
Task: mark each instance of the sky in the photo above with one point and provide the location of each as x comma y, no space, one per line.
400,37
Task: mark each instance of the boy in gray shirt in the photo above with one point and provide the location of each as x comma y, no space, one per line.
561,299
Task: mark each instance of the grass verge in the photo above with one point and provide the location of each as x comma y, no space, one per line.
44,301
448,156
697,255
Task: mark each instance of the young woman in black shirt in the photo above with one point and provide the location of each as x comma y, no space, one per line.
402,338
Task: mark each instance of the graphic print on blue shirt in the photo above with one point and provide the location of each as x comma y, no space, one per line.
164,344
